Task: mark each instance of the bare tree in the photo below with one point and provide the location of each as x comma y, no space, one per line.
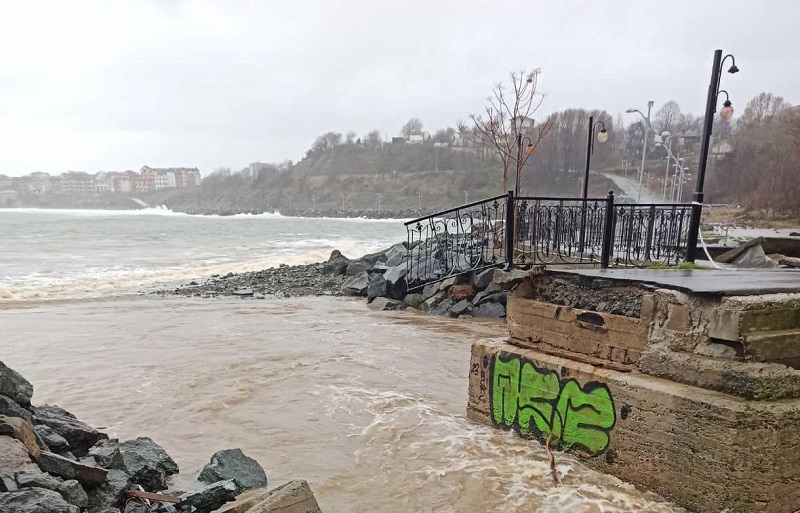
508,118
373,138
669,118
412,127
762,107
350,138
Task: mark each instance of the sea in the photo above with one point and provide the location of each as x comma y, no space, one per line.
369,407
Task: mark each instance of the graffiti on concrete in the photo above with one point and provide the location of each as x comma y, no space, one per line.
535,402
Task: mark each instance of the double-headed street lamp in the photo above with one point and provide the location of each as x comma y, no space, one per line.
708,124
647,127
602,137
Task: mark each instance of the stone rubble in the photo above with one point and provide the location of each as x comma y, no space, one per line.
61,465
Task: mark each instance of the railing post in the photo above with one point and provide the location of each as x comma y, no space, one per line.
608,232
648,238
509,229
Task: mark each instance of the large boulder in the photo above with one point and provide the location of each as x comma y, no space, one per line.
35,500
413,300
293,497
433,301
20,429
396,255
211,497
110,494
71,490
463,307
490,309
395,274
357,267
356,285
459,292
233,464
385,303
482,279
336,264
14,386
10,408
14,457
55,442
146,462
377,286
67,469
444,307
80,436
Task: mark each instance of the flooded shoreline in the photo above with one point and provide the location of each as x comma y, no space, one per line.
368,406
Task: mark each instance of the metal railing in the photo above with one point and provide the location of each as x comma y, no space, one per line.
471,237
526,231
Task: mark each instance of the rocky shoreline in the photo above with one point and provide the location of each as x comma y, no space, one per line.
379,277
51,462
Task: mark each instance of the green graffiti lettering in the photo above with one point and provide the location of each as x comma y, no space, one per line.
536,393
534,401
505,390
584,417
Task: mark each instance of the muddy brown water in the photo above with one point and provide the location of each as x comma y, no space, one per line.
369,407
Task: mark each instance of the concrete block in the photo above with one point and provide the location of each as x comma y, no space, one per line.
703,449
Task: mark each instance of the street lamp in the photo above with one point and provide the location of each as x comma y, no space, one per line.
523,124
602,137
647,127
708,124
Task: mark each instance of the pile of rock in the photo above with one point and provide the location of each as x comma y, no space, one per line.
381,278
51,462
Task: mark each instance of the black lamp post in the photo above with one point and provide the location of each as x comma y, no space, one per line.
520,162
725,113
602,137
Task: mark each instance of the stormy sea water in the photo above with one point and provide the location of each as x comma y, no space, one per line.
369,407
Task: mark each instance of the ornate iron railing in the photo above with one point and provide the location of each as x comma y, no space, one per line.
559,230
468,238
644,234
526,231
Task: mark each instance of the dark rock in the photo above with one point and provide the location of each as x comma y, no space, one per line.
395,274
449,282
379,267
14,386
233,464
107,455
396,255
14,457
356,285
243,292
10,408
459,292
433,301
429,290
444,307
462,307
211,497
385,303
35,500
357,267
336,264
413,300
374,258
67,469
483,279
794,234
377,286
110,494
55,442
79,436
73,492
145,462
489,309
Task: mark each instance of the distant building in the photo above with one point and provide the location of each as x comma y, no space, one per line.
167,178
416,139
398,140
77,182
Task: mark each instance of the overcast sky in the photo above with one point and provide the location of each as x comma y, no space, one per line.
112,85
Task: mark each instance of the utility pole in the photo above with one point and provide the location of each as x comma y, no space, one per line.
379,200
